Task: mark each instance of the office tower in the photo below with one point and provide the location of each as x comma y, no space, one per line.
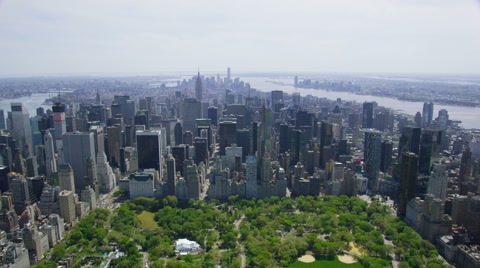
409,140
67,205
296,99
227,135
326,139
143,104
32,166
353,120
180,154
442,119
2,119
367,115
408,181
386,154
243,140
77,149
171,175
188,138
57,221
40,156
284,138
178,132
298,143
382,120
295,81
59,123
201,150
114,143
372,153
98,138
230,154
228,74
149,150
213,115
22,131
465,170
66,179
198,88
105,175
418,119
20,195
277,96
191,110
430,143
438,182
427,115
50,161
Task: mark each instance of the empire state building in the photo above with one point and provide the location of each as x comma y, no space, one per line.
198,88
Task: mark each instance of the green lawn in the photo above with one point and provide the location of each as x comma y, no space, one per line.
330,264
148,223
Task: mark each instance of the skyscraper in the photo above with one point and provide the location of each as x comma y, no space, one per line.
191,110
367,115
373,141
430,142
59,123
427,114
227,133
2,119
149,149
22,131
438,182
198,88
50,161
67,205
442,119
66,179
386,156
409,140
78,147
115,142
408,181
277,96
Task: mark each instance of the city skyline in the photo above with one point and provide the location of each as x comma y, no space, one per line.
53,37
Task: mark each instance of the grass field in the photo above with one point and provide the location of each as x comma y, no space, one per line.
148,223
330,264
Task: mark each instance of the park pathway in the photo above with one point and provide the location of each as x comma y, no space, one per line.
243,259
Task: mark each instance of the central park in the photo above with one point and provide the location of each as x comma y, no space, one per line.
270,232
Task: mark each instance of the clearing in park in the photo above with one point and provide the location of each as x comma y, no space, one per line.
148,222
330,264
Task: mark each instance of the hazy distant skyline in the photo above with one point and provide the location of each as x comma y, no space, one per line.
58,37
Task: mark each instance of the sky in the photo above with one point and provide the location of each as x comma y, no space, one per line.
50,37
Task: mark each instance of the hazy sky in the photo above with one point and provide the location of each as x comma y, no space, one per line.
85,36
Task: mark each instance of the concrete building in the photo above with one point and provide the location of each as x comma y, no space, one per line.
141,184
66,177
105,176
67,206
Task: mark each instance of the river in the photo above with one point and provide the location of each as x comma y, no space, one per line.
470,116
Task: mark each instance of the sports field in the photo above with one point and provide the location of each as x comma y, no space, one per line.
330,264
148,223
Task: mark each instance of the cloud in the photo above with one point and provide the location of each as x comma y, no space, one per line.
54,36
